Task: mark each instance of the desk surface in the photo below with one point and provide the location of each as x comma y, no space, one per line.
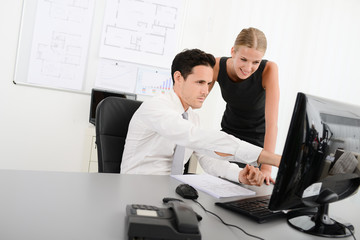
58,205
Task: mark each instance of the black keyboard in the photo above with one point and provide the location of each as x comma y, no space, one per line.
256,208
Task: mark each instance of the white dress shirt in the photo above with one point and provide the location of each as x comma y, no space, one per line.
157,126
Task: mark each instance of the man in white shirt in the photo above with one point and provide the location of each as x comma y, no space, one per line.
158,126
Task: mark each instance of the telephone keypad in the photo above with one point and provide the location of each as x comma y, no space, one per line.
144,207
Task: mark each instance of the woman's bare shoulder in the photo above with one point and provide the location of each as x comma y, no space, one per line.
216,68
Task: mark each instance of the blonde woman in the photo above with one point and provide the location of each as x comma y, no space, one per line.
250,87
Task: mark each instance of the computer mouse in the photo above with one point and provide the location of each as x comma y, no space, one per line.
187,191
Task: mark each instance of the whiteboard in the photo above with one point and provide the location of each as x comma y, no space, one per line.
78,45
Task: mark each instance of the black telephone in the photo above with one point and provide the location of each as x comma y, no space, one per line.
178,221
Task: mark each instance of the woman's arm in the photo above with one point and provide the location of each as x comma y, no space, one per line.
270,83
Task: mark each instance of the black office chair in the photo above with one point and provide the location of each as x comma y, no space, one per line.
113,115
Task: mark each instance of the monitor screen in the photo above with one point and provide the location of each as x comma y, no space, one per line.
320,162
97,95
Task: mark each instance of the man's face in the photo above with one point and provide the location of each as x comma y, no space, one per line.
193,90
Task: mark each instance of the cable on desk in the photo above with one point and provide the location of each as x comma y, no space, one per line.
225,223
347,227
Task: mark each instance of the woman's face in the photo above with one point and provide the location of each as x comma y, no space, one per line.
246,61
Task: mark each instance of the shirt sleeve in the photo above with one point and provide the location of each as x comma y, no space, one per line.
219,168
168,122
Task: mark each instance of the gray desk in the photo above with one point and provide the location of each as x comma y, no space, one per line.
53,205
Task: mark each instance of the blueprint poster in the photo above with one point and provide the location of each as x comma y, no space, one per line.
142,32
139,41
60,43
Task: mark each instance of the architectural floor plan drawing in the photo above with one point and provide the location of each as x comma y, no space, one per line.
60,57
60,43
141,31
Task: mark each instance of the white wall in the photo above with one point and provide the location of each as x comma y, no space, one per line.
314,42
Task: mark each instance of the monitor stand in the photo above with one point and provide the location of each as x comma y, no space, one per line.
319,223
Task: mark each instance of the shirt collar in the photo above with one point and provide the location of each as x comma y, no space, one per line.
178,105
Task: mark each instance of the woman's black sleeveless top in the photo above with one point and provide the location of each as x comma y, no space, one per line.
244,116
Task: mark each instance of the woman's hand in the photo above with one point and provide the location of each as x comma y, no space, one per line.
266,171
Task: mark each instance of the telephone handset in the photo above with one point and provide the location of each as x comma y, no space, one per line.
178,221
185,218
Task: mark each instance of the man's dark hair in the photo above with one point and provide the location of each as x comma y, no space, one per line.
189,58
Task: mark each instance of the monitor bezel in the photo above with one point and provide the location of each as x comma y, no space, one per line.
282,198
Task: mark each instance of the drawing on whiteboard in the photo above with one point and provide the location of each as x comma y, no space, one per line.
60,43
116,75
74,11
60,57
143,32
152,81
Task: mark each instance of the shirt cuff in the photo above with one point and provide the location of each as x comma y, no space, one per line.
233,172
248,153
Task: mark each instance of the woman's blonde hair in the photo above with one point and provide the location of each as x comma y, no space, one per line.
252,38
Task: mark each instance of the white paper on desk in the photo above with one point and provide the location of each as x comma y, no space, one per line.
214,186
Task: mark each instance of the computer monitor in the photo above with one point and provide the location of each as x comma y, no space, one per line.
319,165
97,95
